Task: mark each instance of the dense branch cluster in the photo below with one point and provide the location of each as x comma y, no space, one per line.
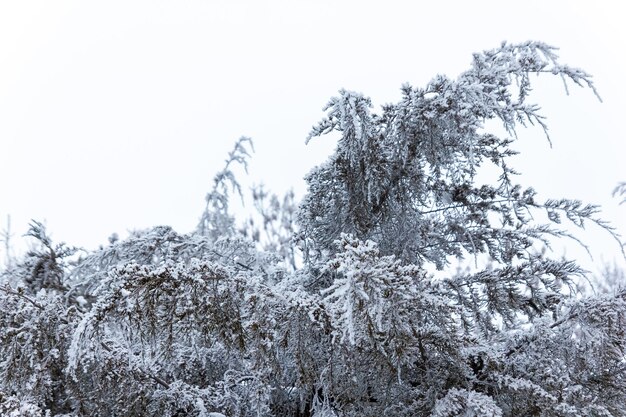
333,308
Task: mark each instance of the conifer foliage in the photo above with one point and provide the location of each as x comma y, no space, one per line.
334,309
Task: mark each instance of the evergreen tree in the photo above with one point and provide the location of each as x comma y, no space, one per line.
235,321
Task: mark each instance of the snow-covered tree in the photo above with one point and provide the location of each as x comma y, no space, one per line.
407,178
334,308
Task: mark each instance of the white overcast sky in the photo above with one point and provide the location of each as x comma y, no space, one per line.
115,115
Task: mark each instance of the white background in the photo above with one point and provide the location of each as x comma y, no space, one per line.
115,115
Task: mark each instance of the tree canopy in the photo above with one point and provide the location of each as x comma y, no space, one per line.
349,303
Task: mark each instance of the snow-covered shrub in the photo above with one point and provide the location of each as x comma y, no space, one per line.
334,309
